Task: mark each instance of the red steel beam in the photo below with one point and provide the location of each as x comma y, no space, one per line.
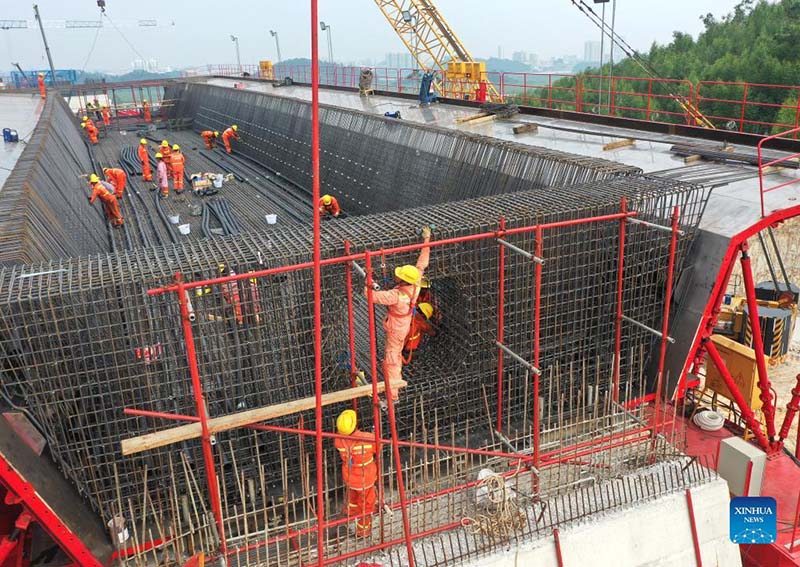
537,304
351,325
618,323
501,321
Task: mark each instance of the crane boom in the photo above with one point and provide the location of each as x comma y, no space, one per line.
434,45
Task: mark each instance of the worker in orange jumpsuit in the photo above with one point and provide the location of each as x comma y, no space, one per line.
420,327
359,470
91,131
329,206
88,120
106,115
147,174
232,132
165,153
146,111
105,191
400,302
210,138
42,90
117,178
178,161
230,293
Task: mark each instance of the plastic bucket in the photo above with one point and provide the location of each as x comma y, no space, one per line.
174,219
6,134
217,181
271,219
184,228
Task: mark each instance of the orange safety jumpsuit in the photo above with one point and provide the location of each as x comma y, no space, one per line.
89,121
230,292
209,138
178,161
400,303
419,328
42,90
147,173
226,138
333,209
146,112
92,132
106,194
117,178
359,472
165,153
106,115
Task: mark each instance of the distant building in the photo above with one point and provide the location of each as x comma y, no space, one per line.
399,61
149,65
519,57
591,51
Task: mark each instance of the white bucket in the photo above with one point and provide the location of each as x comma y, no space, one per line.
218,181
174,219
184,228
271,219
117,527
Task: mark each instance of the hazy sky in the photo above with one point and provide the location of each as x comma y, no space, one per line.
202,28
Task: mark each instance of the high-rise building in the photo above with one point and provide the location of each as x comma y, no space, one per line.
399,60
591,51
519,57
149,65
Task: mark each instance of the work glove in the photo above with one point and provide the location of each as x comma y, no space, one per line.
426,233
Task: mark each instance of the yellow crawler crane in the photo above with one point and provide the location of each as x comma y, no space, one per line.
435,46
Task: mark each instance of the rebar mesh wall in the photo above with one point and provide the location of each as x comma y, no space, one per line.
43,209
374,164
93,342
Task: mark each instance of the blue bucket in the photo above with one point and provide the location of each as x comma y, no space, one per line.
13,136
6,134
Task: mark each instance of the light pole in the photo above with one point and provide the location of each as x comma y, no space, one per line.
235,41
611,57
327,28
274,34
602,48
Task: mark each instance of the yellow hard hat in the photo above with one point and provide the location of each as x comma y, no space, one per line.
235,127
159,155
143,142
85,118
216,134
221,268
346,422
164,144
407,273
424,282
83,124
41,74
144,101
93,178
427,309
176,147
326,199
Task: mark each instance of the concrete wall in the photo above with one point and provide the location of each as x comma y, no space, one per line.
657,533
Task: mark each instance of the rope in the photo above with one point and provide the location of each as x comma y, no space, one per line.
708,420
122,35
91,49
505,517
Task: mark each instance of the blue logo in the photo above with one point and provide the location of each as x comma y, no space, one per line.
754,519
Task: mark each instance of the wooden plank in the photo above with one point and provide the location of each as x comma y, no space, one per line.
472,117
619,144
692,159
193,430
481,120
524,128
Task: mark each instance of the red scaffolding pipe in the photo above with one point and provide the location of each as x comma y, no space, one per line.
351,326
537,303
317,258
501,321
200,404
618,323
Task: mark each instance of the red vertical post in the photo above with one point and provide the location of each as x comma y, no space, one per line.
537,304
133,97
649,96
758,342
613,103
693,523
744,107
662,354
796,525
501,322
618,323
200,404
351,326
317,257
557,543
398,467
373,358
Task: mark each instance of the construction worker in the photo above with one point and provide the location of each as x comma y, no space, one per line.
42,90
359,470
163,176
400,302
329,206
230,293
232,132
166,152
88,120
146,111
420,327
97,114
91,131
105,191
106,115
178,162
210,138
147,174
117,178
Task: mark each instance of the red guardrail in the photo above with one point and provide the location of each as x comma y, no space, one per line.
762,166
745,107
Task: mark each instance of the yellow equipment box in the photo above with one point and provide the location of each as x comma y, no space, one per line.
741,362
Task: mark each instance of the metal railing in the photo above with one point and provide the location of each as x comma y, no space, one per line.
763,166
